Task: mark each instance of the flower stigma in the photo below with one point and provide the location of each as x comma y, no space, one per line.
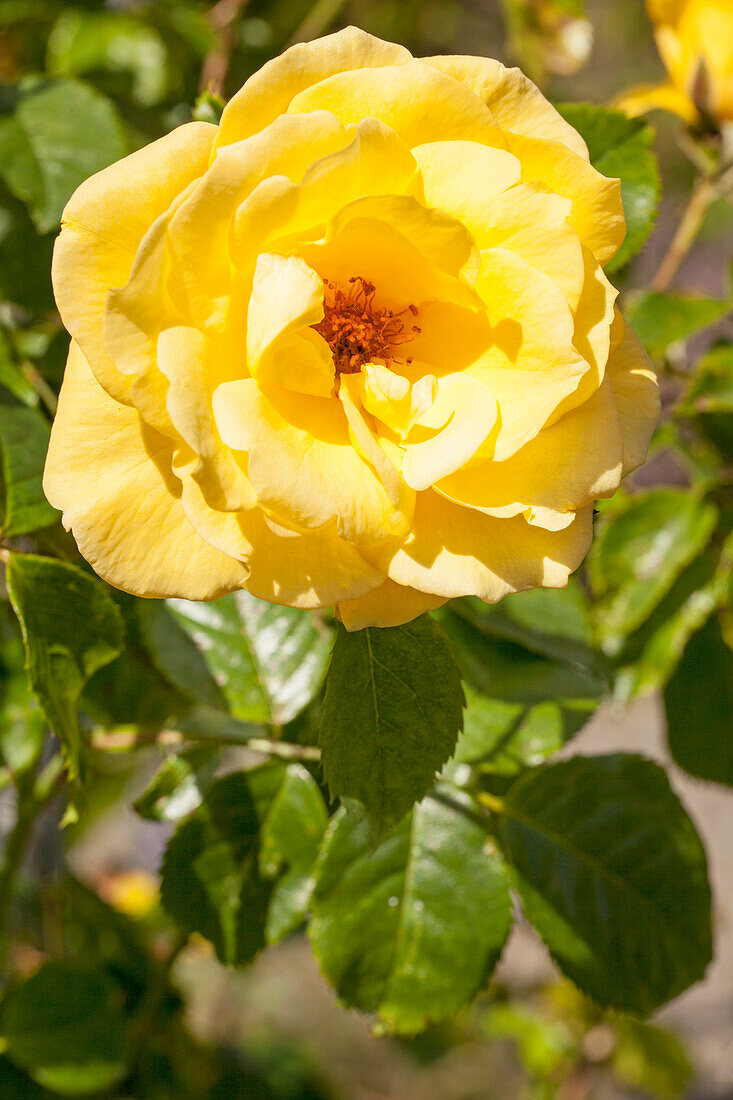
359,332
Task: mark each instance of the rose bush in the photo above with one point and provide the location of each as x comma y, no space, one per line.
354,346
695,42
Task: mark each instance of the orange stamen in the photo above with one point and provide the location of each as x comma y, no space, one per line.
359,332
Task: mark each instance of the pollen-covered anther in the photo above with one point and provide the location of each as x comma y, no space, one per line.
360,332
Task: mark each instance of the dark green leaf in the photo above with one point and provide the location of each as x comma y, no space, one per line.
211,881
391,716
179,785
637,556
64,1027
130,690
698,701
412,929
71,627
663,318
652,652
17,1085
613,875
24,437
83,42
12,378
620,148
177,656
60,133
710,398
267,660
291,835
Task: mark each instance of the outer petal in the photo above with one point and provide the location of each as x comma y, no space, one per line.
113,482
533,368
202,276
636,393
415,100
515,102
269,92
302,463
597,212
102,226
653,97
455,551
296,568
389,605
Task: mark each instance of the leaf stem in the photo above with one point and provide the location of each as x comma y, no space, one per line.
284,749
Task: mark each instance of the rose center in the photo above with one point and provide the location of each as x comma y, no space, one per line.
359,332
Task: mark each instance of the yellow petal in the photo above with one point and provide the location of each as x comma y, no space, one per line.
287,296
102,226
528,220
652,97
415,100
533,368
636,393
202,276
375,161
187,359
393,398
297,568
366,443
562,469
465,412
597,212
465,179
454,551
270,91
302,462
111,477
515,102
389,605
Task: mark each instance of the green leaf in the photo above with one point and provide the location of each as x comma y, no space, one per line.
60,133
291,835
663,318
130,690
16,1085
412,929
83,42
536,680
268,661
24,435
652,1059
620,148
71,627
176,654
652,652
637,555
179,785
612,874
64,1027
211,882
698,701
504,738
11,376
710,398
391,716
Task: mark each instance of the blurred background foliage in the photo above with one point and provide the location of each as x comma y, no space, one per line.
104,994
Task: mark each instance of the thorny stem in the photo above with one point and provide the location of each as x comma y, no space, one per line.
223,21
34,794
705,192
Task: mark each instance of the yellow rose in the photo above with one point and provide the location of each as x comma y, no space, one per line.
695,42
352,347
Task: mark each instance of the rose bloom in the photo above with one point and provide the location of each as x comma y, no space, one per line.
354,346
695,42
